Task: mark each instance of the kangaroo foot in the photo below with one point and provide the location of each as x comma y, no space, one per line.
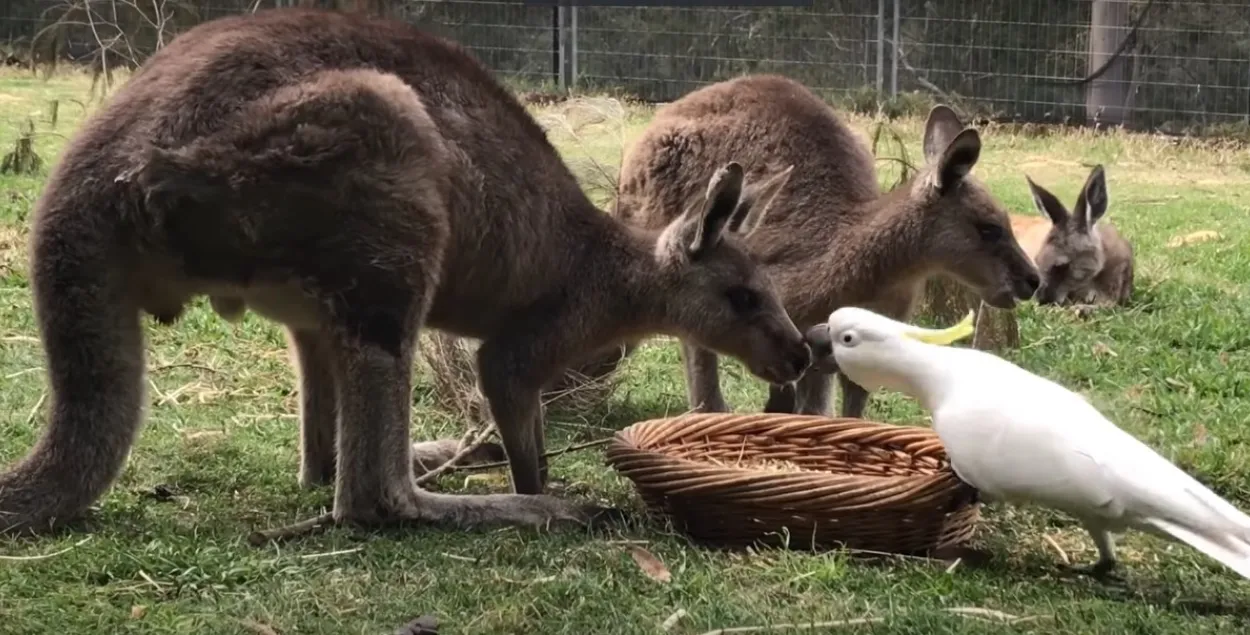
460,511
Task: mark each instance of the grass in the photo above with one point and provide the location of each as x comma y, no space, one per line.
217,458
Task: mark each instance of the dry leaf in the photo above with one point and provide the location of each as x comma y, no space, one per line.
1195,237
650,565
669,623
1101,349
1200,434
138,611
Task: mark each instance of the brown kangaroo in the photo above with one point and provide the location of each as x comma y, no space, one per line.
356,180
1081,260
833,238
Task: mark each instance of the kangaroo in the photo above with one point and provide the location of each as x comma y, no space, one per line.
356,179
1081,260
833,237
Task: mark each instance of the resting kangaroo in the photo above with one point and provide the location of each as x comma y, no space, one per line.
1080,259
356,180
833,238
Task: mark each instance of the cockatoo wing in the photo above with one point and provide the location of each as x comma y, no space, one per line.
1021,453
1060,452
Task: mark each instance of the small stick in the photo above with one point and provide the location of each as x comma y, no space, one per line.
465,449
1062,554
46,555
260,537
565,450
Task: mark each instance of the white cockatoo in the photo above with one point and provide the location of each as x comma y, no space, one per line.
1020,438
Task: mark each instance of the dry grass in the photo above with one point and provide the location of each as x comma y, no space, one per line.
759,465
452,368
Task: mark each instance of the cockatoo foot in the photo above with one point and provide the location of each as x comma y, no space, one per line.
1102,571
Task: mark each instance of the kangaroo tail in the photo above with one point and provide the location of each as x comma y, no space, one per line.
91,334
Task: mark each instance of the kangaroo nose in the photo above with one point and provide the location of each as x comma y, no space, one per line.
819,339
801,360
1031,282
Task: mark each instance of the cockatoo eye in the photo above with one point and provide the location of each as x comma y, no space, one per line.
849,338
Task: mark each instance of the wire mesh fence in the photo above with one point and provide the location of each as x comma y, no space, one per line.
1172,65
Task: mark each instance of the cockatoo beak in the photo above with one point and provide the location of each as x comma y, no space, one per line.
946,336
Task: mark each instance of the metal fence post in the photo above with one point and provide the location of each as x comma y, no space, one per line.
558,44
880,46
573,46
894,51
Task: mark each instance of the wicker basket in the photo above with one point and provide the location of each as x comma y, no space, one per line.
805,482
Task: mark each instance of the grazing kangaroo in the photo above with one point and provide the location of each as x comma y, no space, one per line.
1081,260
833,238
356,180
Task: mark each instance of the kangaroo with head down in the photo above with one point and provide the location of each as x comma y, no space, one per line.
356,180
1081,260
832,237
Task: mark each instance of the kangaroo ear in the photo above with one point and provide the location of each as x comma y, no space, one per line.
704,231
757,199
940,129
1091,203
1046,203
957,159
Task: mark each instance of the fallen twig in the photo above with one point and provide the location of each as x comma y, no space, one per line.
1063,555
472,441
327,554
260,537
165,367
565,450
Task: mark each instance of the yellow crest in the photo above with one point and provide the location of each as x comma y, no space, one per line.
946,336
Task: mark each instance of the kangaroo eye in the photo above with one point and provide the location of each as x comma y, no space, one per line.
743,300
989,232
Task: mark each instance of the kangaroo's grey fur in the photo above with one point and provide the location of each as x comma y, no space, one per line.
356,180
833,238
1081,257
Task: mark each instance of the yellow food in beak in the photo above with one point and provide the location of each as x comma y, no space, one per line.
946,336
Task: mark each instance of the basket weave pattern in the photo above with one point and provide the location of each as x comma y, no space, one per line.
798,480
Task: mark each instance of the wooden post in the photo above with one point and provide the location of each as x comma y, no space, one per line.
1107,97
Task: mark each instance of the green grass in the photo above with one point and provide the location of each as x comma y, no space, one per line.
221,435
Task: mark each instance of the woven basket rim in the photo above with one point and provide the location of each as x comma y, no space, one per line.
631,447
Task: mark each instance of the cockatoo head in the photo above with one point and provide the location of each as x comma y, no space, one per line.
870,348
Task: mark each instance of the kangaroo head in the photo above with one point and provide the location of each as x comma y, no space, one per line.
1072,254
718,297
967,232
